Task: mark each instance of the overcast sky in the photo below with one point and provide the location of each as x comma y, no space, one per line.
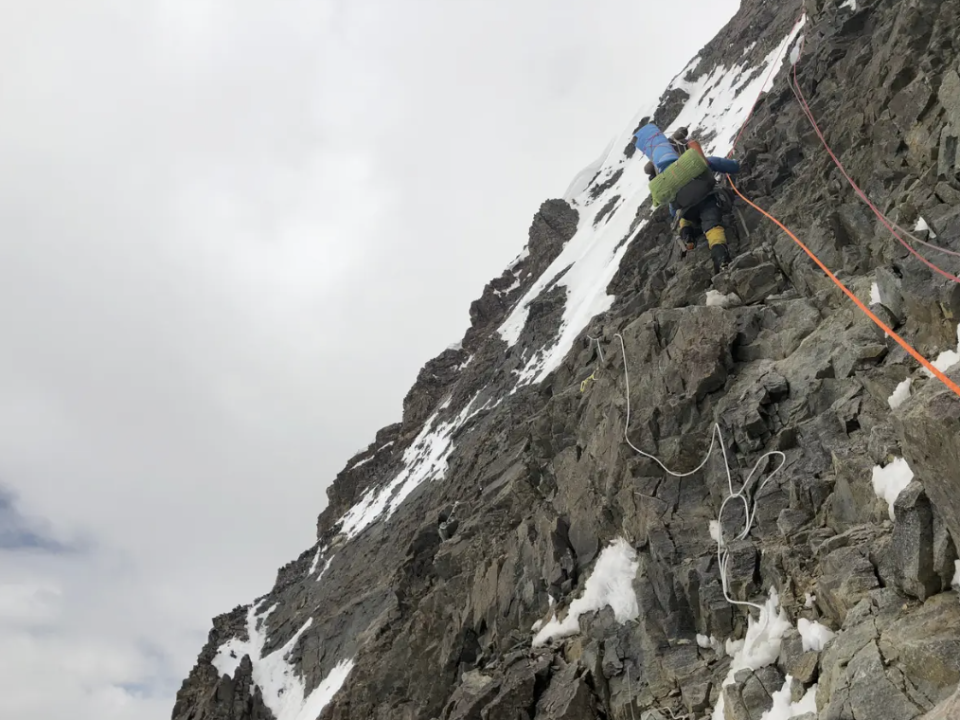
231,232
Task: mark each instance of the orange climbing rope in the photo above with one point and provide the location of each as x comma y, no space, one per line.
889,331
903,343
887,222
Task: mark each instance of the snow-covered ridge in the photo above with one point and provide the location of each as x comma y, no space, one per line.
718,105
425,459
282,688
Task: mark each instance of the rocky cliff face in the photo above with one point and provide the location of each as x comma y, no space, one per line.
504,553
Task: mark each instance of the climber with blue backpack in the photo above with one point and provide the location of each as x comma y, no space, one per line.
682,177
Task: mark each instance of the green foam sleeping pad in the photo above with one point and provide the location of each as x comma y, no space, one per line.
665,186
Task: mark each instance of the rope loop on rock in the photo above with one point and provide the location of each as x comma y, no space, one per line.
744,494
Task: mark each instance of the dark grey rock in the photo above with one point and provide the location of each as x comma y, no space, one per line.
437,608
913,543
476,690
949,709
790,521
872,694
925,645
794,661
944,552
928,431
567,698
847,576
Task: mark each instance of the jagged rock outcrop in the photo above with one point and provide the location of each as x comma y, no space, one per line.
486,512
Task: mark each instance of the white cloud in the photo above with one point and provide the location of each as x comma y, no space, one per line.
226,226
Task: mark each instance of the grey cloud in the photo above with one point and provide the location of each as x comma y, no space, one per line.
232,232
20,533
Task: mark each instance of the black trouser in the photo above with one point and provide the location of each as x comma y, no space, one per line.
708,216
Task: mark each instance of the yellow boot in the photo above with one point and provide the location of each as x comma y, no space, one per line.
717,240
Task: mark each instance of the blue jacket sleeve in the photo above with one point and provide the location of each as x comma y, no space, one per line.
723,165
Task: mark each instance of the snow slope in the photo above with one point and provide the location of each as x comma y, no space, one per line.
718,106
425,459
282,688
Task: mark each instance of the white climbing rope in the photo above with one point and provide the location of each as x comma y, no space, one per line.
593,375
599,349
743,494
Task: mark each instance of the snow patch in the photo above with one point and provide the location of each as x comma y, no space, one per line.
890,481
425,459
875,298
956,574
710,643
809,600
361,463
610,584
946,359
500,293
784,709
900,395
326,566
715,531
368,459
815,636
278,680
718,105
722,100
732,647
524,254
316,560
850,4
795,52
759,648
324,692
718,299
583,178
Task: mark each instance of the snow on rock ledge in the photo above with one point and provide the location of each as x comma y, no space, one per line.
282,689
610,584
890,481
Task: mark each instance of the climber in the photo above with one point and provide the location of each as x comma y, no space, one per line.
689,187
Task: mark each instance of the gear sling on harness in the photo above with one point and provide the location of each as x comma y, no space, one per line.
683,180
